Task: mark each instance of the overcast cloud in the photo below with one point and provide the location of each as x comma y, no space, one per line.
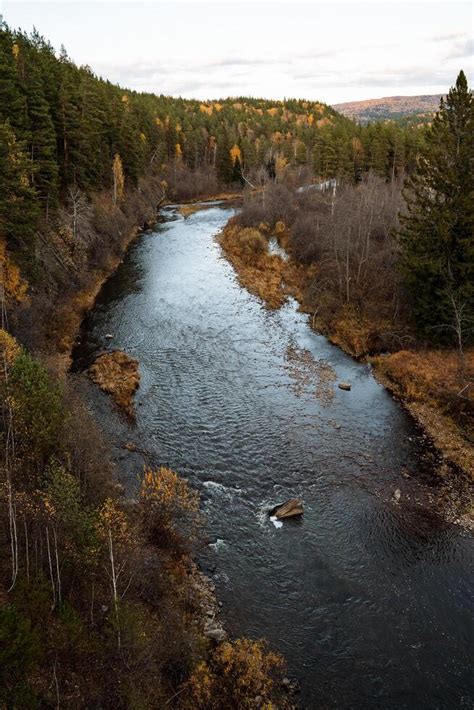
322,50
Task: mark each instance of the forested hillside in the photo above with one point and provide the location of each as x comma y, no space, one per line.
73,149
413,109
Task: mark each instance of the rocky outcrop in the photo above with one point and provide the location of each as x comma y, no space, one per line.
290,509
204,589
117,374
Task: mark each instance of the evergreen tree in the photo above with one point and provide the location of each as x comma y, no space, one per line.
224,164
18,200
436,237
42,147
12,99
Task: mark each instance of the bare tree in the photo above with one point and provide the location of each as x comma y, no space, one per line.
79,212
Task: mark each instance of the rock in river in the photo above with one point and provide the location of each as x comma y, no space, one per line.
344,386
290,509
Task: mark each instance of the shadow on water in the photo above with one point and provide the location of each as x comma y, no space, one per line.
368,599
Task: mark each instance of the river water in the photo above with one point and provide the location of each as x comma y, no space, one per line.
369,599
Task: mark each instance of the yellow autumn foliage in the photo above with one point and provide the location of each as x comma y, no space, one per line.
15,287
164,488
169,508
112,518
118,178
280,165
235,153
9,347
235,674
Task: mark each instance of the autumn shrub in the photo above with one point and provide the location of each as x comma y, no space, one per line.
278,204
238,675
14,286
110,225
274,205
252,212
169,509
306,244
9,349
251,243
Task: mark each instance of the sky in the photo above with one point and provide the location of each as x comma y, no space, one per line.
328,51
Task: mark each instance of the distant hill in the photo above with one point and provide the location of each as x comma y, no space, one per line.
391,107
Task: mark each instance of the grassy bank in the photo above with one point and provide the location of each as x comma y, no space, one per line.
266,275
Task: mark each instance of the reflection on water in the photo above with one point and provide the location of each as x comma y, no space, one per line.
368,599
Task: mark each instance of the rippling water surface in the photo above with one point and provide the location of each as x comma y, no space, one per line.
369,600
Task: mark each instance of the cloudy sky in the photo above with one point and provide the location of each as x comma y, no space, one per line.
331,51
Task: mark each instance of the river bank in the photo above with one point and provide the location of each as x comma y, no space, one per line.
422,381
62,332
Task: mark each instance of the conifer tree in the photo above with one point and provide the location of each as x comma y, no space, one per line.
42,147
436,238
18,200
224,164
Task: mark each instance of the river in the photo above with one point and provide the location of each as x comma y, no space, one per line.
369,599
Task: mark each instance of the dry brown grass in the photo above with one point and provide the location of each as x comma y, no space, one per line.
429,376
430,385
117,374
220,196
350,332
353,332
188,210
265,275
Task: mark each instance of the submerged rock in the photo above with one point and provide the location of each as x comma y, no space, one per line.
117,374
290,509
